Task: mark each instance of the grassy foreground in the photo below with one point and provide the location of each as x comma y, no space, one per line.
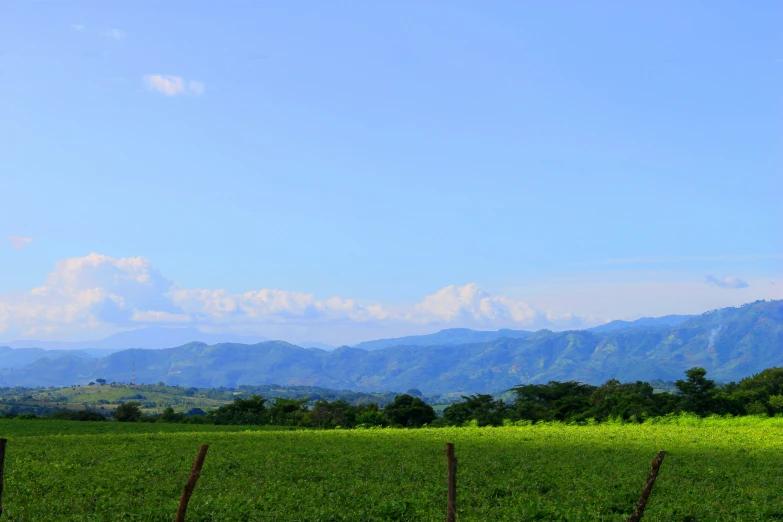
715,470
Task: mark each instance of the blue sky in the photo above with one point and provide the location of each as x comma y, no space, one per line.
464,164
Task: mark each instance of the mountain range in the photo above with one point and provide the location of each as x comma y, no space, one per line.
151,338
731,343
644,322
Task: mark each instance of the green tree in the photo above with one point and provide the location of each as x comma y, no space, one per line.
101,381
241,411
408,411
128,412
756,408
776,403
697,392
481,408
169,415
626,401
552,401
287,412
371,418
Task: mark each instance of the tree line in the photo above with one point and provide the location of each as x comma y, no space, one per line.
571,401
404,411
760,394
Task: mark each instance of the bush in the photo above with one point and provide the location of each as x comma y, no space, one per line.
77,415
409,412
128,412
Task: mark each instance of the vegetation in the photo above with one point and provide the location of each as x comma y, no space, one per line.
716,470
128,412
155,398
572,402
760,394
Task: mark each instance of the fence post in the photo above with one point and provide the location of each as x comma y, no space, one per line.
451,507
639,511
2,470
195,472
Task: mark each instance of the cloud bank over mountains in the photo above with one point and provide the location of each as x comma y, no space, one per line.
97,294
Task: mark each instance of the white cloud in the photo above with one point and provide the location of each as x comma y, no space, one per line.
156,316
168,85
98,293
114,34
729,281
172,85
93,292
19,242
95,295
471,306
78,27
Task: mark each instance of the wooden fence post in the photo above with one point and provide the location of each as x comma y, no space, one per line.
451,507
639,511
195,472
2,470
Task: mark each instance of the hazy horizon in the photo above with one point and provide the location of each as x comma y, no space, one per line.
212,336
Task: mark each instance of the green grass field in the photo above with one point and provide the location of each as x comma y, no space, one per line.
715,470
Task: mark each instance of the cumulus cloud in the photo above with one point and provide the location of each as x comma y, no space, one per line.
172,85
90,292
101,293
471,304
729,281
114,34
271,306
19,242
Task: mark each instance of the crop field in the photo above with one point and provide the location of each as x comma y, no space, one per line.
715,470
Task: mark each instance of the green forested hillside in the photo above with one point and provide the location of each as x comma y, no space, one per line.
730,343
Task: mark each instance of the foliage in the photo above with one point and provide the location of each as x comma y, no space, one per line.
241,411
128,412
482,408
409,412
696,390
82,415
760,394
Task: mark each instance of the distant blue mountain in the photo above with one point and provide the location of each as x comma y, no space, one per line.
21,357
449,337
316,344
667,321
150,338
